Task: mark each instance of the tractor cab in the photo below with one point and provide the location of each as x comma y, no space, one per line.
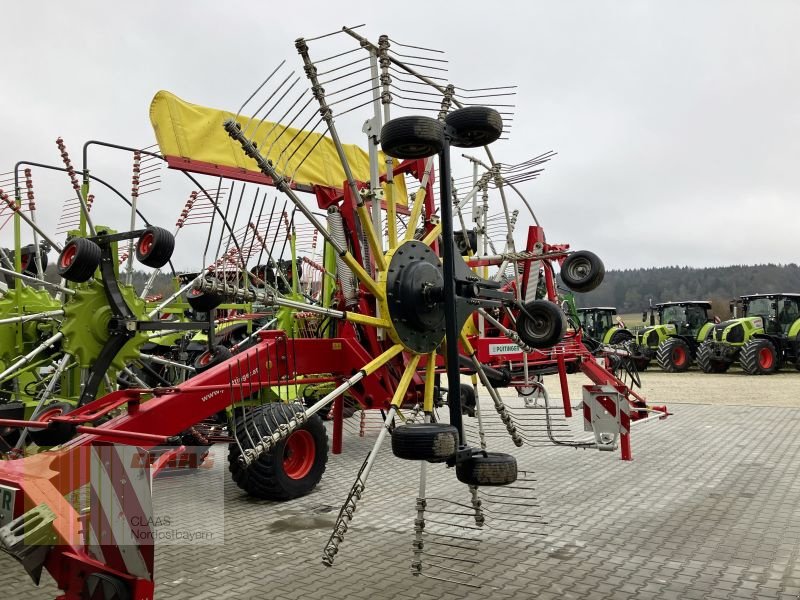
602,324
689,318
777,311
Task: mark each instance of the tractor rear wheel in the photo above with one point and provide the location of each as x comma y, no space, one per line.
491,468
541,324
434,442
674,355
295,465
708,364
758,357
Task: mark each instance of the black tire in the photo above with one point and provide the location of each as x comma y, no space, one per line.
412,137
466,242
494,468
759,357
674,355
101,586
582,271
154,247
29,266
706,362
56,434
474,126
79,260
201,301
467,400
277,475
434,442
542,324
620,336
211,358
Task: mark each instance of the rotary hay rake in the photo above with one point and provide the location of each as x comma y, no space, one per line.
395,302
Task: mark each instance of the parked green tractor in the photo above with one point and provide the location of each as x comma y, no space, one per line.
673,342
602,325
765,338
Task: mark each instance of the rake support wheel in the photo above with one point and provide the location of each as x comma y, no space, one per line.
211,358
541,324
79,260
474,126
582,271
412,137
56,434
434,442
154,247
489,468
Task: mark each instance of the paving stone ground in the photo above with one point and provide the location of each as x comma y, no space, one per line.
708,509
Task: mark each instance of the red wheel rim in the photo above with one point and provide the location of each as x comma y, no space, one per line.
679,356
47,415
146,243
765,358
195,292
25,261
298,454
68,255
205,359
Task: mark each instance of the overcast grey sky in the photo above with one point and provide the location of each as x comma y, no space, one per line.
677,123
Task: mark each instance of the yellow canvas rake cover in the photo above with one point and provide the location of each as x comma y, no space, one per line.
191,137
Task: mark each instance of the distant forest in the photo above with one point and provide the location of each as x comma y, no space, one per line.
629,290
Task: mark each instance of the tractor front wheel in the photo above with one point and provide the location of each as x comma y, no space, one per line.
295,465
619,337
674,355
758,357
708,364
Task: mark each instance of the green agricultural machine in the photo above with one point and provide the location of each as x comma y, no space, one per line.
763,340
600,324
673,342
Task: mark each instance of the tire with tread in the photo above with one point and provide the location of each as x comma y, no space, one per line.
434,442
542,324
758,357
707,363
79,260
267,477
582,271
201,301
154,247
620,336
412,137
493,468
474,126
674,355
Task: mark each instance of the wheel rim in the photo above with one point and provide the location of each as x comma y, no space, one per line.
68,256
298,454
579,269
679,356
24,262
538,326
146,243
204,359
47,415
765,358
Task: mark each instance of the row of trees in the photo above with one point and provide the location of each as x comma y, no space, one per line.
630,289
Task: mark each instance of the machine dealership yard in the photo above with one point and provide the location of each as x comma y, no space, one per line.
707,508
